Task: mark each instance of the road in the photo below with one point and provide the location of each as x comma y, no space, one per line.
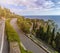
3,39
2,27
5,45
29,44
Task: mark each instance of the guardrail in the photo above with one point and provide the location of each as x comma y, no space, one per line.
2,28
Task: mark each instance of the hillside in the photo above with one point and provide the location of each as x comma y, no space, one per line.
6,13
41,29
45,30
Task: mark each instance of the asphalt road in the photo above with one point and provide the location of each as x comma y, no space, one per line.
1,22
2,27
29,44
5,45
3,38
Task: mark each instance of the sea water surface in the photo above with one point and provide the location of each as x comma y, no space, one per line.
55,18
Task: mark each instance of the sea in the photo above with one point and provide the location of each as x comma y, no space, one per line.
55,18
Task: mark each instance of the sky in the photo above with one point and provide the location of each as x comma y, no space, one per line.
32,7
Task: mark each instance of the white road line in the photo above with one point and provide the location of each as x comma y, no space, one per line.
2,42
23,46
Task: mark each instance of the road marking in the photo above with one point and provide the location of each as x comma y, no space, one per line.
23,46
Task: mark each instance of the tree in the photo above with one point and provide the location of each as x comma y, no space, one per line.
40,33
52,36
57,41
48,33
24,25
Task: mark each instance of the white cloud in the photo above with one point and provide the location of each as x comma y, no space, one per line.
6,1
31,6
58,2
48,4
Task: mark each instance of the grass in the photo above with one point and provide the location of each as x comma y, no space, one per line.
13,36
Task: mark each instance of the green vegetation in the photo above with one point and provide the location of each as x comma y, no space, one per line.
13,36
6,13
47,32
24,25
44,30
11,33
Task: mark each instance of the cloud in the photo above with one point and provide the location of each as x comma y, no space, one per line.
29,4
22,6
58,2
6,1
35,4
48,4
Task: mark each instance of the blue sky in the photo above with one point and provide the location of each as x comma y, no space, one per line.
32,7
